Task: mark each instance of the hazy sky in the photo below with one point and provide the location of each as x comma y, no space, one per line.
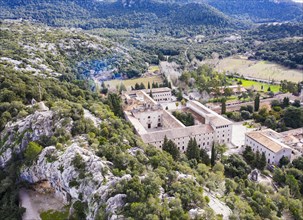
298,1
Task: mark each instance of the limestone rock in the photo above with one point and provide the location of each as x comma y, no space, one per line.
18,134
94,187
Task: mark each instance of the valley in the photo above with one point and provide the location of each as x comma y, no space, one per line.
153,109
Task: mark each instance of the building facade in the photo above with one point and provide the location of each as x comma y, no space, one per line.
263,142
153,123
160,94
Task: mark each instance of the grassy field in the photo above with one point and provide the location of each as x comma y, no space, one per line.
58,215
131,82
153,69
258,86
258,69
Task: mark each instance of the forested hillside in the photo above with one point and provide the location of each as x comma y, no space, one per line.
260,10
69,52
121,14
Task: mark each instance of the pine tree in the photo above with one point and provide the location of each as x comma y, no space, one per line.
249,155
169,85
142,86
262,163
257,103
170,147
137,86
192,151
114,102
204,157
285,102
153,85
165,83
150,93
257,159
213,155
223,107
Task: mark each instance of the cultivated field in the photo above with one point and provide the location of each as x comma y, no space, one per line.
257,69
131,82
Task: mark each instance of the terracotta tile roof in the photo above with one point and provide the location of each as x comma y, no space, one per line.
268,142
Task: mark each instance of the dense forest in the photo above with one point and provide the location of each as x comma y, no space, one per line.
287,52
184,31
260,10
93,14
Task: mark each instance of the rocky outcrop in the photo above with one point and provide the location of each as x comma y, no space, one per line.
17,135
93,183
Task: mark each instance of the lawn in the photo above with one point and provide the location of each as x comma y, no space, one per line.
258,86
131,82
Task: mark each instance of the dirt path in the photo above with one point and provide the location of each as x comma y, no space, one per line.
26,202
218,206
35,203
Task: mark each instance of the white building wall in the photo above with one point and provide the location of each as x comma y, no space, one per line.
204,140
271,157
286,152
223,134
199,111
162,96
150,119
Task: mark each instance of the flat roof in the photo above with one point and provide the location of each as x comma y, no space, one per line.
176,133
215,118
136,123
268,142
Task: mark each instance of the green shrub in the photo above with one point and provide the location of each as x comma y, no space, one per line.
32,151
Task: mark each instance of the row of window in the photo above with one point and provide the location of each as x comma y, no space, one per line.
165,94
224,126
165,99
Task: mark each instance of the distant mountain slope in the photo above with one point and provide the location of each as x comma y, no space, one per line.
64,52
90,14
260,10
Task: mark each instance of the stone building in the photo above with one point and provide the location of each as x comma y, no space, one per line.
153,123
266,141
160,94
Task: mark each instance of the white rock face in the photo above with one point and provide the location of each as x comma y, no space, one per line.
195,213
94,187
114,204
21,132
